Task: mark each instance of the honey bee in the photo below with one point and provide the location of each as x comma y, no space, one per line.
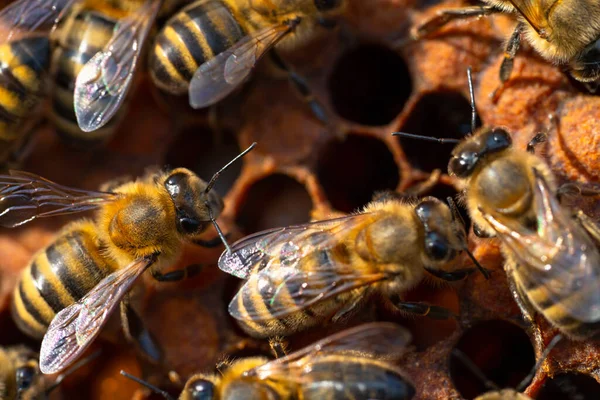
89,49
562,32
210,47
71,287
552,258
497,393
300,276
20,376
352,364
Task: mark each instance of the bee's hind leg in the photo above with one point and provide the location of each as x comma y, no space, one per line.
136,332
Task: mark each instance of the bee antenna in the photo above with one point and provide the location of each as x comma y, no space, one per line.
428,138
217,228
474,369
457,215
472,99
214,178
148,385
74,368
538,364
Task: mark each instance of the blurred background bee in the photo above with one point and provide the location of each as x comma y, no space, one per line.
563,32
71,287
352,364
552,256
20,376
300,276
210,47
83,52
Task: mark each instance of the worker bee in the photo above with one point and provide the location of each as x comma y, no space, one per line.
563,32
71,287
20,376
352,364
210,47
88,49
551,258
300,276
497,393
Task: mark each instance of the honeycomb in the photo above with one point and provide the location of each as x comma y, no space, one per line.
372,82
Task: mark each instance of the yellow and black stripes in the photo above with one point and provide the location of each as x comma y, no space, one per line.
57,277
194,35
23,65
85,34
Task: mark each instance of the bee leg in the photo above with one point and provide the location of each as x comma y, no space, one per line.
278,346
455,275
537,139
425,310
445,16
576,189
212,243
589,225
301,86
178,275
481,233
136,332
510,51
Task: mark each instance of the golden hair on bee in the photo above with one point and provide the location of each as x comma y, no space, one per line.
551,251
353,364
72,286
563,32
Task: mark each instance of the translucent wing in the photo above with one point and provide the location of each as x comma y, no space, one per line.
25,196
104,80
74,328
560,258
26,16
219,76
377,340
533,12
289,244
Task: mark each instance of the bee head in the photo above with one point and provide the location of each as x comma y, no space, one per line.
440,230
199,388
26,377
467,155
194,204
586,67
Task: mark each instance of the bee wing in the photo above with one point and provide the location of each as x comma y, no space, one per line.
533,12
219,76
25,197
292,242
377,340
26,16
103,82
559,258
74,328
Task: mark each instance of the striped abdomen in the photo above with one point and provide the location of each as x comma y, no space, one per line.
256,299
194,35
57,277
23,66
361,378
84,34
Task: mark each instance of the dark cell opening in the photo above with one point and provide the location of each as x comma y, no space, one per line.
351,171
440,115
277,200
370,85
205,152
501,350
570,386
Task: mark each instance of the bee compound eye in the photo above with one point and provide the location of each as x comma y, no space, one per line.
436,247
463,164
189,225
201,390
499,139
25,376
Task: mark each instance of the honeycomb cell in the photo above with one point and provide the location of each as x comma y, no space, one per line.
500,349
370,85
351,171
570,386
276,200
440,115
205,151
